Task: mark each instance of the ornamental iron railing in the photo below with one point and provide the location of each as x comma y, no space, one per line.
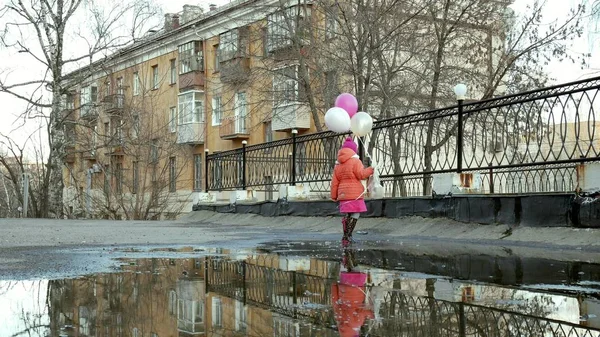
522,143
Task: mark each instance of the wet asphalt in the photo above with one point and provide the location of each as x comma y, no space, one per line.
32,249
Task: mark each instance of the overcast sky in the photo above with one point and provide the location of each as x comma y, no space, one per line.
562,72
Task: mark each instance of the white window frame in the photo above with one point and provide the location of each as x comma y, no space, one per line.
190,107
191,57
278,34
217,312
173,71
240,111
285,88
229,45
241,316
173,119
198,172
89,98
217,110
136,83
155,77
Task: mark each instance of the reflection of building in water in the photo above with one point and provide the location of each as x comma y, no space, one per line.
154,297
247,294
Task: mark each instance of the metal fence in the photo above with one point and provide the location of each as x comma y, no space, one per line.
308,297
527,142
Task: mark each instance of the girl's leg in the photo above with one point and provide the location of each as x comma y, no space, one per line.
345,221
352,224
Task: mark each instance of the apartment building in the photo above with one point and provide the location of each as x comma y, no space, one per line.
140,123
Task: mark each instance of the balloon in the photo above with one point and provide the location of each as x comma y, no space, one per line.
347,102
361,124
337,120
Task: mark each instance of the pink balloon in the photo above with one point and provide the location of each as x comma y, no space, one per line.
347,102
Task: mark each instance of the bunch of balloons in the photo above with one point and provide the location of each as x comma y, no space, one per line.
345,117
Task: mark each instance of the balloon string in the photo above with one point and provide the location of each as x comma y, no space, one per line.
364,147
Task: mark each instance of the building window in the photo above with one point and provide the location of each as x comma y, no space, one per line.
216,58
154,151
173,119
217,312
278,29
217,111
331,23
197,172
172,175
107,88
136,83
191,57
135,332
155,79
228,45
268,132
241,111
190,107
285,86
119,177
135,178
173,72
135,127
68,101
89,98
172,302
106,182
240,316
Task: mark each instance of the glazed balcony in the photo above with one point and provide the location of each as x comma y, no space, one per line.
235,127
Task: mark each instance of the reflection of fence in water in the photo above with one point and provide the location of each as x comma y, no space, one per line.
288,292
299,295
417,316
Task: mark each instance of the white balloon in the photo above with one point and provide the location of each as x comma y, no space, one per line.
337,120
361,124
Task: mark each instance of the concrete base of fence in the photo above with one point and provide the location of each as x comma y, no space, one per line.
296,192
551,210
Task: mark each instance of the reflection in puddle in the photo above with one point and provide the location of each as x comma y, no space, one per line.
244,293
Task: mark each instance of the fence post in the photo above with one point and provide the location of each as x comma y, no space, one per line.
491,179
244,143
459,138
462,328
206,186
293,180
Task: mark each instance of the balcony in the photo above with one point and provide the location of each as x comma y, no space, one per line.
235,127
290,116
88,112
193,80
116,147
191,133
235,70
114,103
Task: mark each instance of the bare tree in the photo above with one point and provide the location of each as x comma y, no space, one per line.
49,34
127,154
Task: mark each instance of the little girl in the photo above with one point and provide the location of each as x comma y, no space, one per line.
346,187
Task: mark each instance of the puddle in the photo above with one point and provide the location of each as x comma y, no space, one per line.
297,290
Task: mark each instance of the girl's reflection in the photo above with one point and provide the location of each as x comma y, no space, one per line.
350,302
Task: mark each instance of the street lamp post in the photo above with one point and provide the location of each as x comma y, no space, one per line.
460,90
244,143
